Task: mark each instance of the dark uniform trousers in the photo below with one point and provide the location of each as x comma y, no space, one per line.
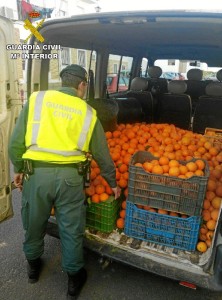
63,188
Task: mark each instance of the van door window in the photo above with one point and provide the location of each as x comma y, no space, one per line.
83,57
118,73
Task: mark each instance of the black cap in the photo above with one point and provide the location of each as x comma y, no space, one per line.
75,70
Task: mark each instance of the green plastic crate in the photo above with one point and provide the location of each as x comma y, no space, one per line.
102,216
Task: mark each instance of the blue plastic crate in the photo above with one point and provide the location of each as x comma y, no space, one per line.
162,229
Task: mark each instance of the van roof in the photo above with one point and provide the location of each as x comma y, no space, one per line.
183,35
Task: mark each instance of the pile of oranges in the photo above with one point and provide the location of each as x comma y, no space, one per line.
169,144
172,167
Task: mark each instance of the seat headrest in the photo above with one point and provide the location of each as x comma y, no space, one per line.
195,74
214,89
177,87
155,72
219,75
139,84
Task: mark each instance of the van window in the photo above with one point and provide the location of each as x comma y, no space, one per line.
83,57
118,73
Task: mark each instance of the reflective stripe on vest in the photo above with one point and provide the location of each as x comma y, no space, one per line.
35,131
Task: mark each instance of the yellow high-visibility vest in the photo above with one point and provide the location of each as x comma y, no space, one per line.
59,128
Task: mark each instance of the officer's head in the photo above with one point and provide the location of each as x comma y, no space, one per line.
75,76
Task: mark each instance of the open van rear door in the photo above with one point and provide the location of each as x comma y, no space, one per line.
10,105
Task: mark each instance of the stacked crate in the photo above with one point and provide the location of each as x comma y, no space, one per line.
102,216
184,196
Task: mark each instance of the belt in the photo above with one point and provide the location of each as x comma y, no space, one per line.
42,164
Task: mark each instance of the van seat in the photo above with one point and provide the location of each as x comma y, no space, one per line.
209,108
138,90
175,106
157,85
130,110
195,86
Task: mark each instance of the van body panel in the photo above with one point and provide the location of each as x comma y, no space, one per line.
10,105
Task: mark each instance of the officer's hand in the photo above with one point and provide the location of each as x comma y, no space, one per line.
116,191
18,178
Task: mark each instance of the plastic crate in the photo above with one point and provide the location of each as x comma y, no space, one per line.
216,138
102,216
162,229
184,196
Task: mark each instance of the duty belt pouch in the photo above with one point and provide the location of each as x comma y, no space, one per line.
84,170
28,167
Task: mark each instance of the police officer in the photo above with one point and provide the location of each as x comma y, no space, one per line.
53,133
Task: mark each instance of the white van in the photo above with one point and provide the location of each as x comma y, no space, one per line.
10,106
129,44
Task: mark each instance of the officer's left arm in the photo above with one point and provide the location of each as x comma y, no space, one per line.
17,140
101,154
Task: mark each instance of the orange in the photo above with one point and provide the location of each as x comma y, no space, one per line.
173,214
97,170
202,246
210,195
94,164
120,223
215,173
122,213
123,168
138,165
116,133
211,224
207,145
216,202
206,215
219,191
108,134
103,197
165,168
92,174
208,243
185,141
90,190
152,210
100,189
122,183
115,156
146,207
199,173
126,175
162,212
157,169
173,163
202,237
191,166
200,164
95,198
183,216
109,191
126,192
123,204
206,204
148,166
213,151
183,169
203,229
211,185
210,234
163,160
174,171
